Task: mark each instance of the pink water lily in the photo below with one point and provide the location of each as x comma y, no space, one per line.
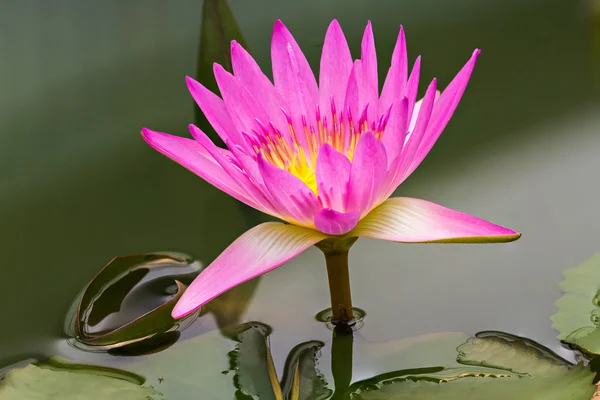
324,157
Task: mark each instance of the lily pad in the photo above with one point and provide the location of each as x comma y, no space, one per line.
256,375
130,300
578,316
60,379
498,366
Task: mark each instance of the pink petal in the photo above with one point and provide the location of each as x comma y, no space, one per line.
258,251
403,219
333,175
368,58
412,86
241,105
302,105
394,87
297,203
443,110
214,110
281,63
249,74
224,158
194,157
354,101
367,176
332,222
395,132
336,64
417,135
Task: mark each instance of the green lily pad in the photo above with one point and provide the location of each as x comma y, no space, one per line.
58,378
101,315
498,366
256,375
577,319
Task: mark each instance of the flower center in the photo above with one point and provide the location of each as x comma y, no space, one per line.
296,151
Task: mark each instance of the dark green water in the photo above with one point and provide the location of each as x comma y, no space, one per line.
79,186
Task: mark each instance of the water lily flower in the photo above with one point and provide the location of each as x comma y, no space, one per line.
324,157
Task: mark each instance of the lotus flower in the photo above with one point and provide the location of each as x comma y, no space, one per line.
324,157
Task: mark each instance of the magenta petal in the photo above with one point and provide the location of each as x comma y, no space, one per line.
417,135
225,158
336,64
412,86
395,132
256,252
332,222
333,175
394,87
281,64
403,219
368,58
367,176
241,105
249,74
296,201
214,110
194,157
444,109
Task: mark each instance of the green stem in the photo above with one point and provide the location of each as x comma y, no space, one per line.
336,258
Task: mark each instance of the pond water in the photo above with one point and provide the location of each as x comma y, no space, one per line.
80,186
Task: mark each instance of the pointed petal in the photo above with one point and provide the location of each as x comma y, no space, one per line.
412,86
394,87
256,252
416,136
336,64
302,105
368,58
214,110
354,101
395,132
281,64
289,194
367,175
332,222
403,219
194,157
249,74
333,175
225,159
443,110
241,105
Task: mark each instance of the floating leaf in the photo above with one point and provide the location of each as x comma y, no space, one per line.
60,379
515,354
578,313
130,300
255,371
521,369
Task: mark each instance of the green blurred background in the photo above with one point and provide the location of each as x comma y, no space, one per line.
78,80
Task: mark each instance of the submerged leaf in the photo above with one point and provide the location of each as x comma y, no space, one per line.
301,376
578,316
499,367
63,380
255,371
254,365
